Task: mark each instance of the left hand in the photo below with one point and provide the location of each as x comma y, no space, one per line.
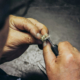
22,33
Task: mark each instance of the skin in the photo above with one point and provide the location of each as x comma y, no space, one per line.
64,67
3,35
22,33
18,33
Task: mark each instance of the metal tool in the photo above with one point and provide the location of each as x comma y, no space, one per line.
54,47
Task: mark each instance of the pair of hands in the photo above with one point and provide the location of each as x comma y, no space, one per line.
26,31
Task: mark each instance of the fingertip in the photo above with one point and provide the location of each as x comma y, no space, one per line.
48,54
46,47
46,43
38,36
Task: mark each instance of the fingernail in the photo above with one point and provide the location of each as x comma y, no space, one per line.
44,43
38,35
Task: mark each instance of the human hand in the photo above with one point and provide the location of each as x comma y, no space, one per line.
66,66
22,33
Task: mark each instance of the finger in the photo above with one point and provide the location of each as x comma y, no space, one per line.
21,38
43,29
49,56
65,47
75,50
21,23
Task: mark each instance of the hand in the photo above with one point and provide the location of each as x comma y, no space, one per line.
64,67
22,33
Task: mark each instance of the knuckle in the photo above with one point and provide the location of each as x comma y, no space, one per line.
25,20
63,43
69,58
31,19
60,43
10,16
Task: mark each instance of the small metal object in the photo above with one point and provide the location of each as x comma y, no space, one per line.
43,38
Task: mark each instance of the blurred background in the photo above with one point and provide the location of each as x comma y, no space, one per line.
61,17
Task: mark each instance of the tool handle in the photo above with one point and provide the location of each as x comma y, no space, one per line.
55,49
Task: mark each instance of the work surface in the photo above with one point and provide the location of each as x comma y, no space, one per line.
63,24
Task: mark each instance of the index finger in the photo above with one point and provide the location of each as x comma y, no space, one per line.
49,56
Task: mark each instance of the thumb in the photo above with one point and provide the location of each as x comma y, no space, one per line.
49,56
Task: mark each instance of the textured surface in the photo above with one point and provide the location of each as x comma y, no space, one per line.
63,24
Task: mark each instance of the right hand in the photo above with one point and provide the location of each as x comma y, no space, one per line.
22,33
66,66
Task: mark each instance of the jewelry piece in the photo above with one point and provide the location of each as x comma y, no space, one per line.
45,37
